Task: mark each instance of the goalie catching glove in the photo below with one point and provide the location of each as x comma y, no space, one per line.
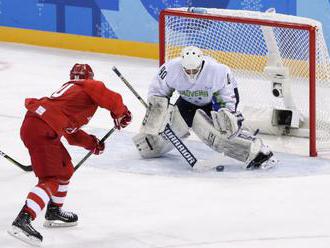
123,120
227,122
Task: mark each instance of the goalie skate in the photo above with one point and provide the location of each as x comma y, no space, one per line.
270,163
263,161
56,217
23,230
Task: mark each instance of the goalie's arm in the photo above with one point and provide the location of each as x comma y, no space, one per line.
236,97
231,80
159,86
224,98
225,93
226,117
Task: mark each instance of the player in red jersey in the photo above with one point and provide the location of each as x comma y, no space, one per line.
46,121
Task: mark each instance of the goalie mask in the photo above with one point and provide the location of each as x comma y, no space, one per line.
192,59
81,71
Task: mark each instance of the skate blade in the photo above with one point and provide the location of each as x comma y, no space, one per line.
56,224
21,235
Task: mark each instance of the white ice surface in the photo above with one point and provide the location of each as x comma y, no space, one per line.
124,201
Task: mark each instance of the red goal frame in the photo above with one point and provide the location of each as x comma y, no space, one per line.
312,53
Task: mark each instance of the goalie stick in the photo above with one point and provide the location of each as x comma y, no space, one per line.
168,132
29,167
179,145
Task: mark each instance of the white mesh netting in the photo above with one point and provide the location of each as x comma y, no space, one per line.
247,49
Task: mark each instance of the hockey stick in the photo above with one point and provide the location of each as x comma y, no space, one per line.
18,164
168,132
90,153
29,167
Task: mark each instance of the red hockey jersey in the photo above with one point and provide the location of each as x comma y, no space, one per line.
74,104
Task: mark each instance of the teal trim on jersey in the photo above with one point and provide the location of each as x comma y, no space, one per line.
217,101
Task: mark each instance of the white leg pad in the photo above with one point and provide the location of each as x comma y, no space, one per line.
154,145
151,146
245,147
177,123
203,127
242,146
156,116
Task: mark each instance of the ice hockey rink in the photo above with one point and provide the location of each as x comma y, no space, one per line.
125,202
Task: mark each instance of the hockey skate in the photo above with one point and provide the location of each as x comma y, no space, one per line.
56,217
262,161
23,230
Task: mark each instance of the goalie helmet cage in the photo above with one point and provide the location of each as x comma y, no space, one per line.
249,42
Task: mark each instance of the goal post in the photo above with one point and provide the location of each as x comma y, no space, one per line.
266,51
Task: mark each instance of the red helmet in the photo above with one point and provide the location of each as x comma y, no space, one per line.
81,71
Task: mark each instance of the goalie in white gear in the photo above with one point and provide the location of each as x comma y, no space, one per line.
207,103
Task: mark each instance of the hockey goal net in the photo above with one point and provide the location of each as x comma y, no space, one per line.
281,63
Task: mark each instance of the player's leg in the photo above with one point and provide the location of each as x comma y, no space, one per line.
47,162
203,127
36,200
221,133
241,144
151,146
148,141
55,215
39,196
251,150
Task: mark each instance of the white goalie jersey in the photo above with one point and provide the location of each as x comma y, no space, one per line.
200,82
213,79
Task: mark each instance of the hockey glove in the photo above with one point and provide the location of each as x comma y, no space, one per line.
227,122
122,121
97,147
